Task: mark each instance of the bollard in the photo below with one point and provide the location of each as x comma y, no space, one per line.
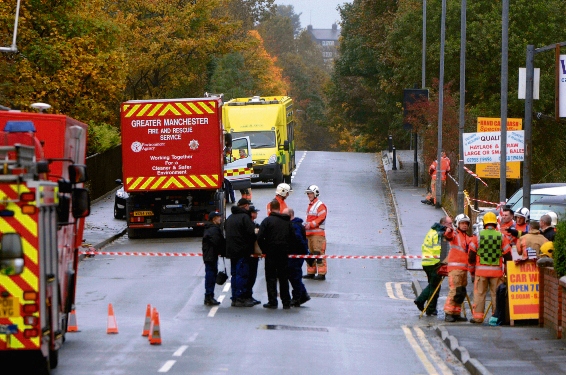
394,159
390,141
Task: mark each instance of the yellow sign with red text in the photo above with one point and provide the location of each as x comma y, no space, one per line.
492,170
523,290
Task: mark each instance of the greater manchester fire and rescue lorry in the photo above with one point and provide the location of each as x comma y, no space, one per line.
269,124
175,157
42,209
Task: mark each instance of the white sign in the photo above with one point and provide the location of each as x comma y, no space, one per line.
562,86
484,147
523,83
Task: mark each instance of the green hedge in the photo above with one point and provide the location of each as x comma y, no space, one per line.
559,254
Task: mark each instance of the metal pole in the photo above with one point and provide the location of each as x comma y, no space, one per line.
557,83
394,159
416,164
476,193
504,86
13,47
530,72
440,107
390,141
460,203
423,68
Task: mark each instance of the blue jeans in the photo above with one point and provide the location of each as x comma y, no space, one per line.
296,277
230,197
240,270
252,276
210,272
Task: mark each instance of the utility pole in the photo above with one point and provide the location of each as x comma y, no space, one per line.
460,203
440,107
504,87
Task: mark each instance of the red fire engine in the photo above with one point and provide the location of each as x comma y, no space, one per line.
42,208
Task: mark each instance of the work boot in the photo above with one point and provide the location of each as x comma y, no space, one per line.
253,300
270,305
308,276
449,318
429,313
295,303
420,305
425,201
460,318
304,298
477,321
286,307
210,301
242,303
319,277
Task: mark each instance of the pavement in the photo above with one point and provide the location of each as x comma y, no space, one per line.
482,349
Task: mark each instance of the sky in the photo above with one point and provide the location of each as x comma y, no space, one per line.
321,14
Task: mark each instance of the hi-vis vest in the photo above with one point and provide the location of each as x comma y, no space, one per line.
489,249
431,247
316,217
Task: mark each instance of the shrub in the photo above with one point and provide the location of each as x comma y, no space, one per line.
101,137
559,254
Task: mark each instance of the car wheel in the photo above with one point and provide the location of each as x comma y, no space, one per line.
116,213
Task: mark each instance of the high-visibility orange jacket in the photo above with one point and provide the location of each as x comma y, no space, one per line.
460,245
491,270
282,205
444,165
316,216
502,228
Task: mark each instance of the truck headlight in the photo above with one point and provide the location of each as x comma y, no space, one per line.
272,159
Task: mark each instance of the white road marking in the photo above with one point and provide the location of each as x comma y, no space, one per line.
431,352
212,312
226,288
193,337
180,351
398,293
298,165
167,366
418,351
221,298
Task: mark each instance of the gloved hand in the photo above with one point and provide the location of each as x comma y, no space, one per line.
513,232
307,226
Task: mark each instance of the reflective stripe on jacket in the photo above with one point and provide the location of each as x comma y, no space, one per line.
282,205
460,245
316,216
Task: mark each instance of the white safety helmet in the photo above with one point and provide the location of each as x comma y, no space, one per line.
313,189
462,219
523,212
553,218
283,190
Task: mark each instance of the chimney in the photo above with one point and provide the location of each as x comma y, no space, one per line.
334,26
309,27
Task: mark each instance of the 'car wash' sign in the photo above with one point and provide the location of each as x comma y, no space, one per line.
523,290
484,147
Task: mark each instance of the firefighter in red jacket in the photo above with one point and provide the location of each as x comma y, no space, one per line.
316,236
457,259
444,169
281,193
487,260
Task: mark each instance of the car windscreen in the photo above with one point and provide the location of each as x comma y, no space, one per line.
534,199
537,209
260,139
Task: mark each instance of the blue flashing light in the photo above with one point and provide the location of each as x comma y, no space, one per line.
19,127
6,213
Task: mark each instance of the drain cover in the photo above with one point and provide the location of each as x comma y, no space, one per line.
323,295
291,328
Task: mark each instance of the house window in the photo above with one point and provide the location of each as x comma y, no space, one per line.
327,42
327,54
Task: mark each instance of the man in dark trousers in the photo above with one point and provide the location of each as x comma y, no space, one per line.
274,239
213,244
253,262
299,246
240,240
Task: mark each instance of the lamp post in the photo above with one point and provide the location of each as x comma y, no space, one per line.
504,86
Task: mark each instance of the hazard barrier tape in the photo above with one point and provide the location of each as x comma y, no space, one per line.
470,172
127,253
486,202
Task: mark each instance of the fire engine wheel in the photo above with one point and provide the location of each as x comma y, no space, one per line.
53,358
277,180
287,179
133,233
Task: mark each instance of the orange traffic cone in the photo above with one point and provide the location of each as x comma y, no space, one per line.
155,334
111,327
72,326
147,324
153,312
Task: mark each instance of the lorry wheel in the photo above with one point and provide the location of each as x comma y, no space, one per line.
277,180
287,179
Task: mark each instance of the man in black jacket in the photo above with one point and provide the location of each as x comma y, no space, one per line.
213,244
240,239
274,239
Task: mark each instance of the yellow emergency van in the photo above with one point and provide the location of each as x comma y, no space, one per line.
269,124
